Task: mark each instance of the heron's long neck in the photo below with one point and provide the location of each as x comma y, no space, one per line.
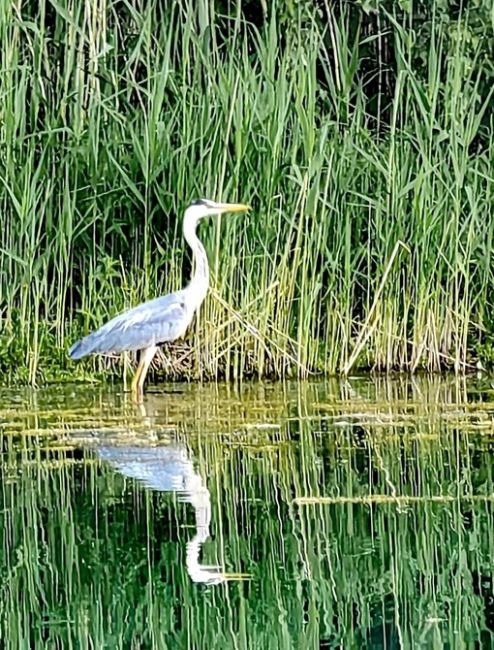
199,282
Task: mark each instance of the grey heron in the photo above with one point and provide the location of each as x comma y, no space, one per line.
162,319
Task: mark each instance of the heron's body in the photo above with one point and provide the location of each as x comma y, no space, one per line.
153,322
162,319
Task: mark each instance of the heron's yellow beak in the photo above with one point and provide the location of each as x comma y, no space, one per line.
233,207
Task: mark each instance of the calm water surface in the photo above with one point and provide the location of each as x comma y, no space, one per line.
316,515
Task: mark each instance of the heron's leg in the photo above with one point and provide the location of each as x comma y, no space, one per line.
135,378
142,369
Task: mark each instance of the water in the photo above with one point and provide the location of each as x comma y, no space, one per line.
321,515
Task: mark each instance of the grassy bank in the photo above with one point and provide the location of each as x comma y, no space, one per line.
370,240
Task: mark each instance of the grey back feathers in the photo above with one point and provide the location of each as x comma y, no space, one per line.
153,322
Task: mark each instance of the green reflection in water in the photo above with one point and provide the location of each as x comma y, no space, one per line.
362,512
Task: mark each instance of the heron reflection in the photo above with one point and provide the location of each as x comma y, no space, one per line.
169,468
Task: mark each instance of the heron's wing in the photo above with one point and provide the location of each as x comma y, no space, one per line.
153,322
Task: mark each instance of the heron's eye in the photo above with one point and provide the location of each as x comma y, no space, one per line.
200,202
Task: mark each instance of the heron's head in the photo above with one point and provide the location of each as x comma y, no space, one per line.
200,208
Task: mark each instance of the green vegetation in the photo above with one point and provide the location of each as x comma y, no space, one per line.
361,133
90,559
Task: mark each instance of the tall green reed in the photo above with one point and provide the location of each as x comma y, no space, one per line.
365,248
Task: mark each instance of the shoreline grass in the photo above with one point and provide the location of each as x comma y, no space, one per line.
369,246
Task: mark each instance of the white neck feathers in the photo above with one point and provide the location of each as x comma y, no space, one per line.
199,283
